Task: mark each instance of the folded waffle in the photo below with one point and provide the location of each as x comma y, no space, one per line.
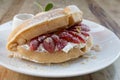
45,23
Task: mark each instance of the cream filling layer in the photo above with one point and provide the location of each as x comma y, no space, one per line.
66,49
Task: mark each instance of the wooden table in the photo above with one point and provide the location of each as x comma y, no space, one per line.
105,12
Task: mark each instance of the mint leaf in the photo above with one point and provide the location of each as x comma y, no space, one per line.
48,7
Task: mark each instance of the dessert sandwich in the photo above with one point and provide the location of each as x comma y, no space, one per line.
54,36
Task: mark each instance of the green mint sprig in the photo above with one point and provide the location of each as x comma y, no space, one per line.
48,7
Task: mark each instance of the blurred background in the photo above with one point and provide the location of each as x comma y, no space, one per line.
8,8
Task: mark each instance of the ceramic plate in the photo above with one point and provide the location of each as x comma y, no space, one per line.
91,62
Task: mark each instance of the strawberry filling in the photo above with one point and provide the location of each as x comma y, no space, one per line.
58,40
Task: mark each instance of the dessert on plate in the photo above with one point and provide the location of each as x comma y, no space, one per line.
51,37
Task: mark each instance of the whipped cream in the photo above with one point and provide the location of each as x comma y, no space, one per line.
69,46
66,49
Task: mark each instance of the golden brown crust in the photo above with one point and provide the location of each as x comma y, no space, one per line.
43,23
56,57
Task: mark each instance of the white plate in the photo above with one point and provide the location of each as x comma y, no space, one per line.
110,51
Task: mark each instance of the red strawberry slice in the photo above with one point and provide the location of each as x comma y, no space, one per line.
79,24
71,28
77,35
85,33
74,30
55,38
69,37
60,43
34,43
49,44
41,38
85,28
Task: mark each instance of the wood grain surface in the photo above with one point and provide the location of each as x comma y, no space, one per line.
105,12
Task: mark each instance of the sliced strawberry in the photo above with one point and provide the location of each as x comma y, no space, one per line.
84,33
71,28
79,24
34,43
61,44
75,28
41,38
49,44
55,38
69,37
85,28
77,35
